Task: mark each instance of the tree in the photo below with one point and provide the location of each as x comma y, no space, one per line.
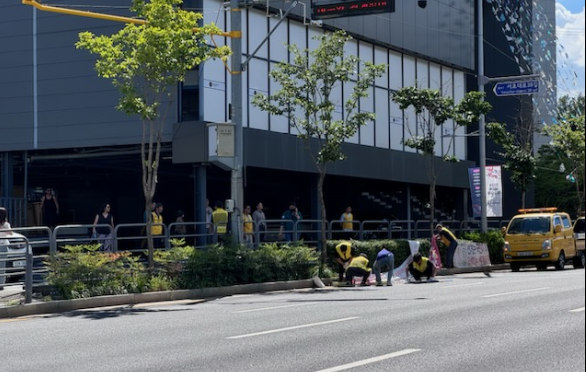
551,176
568,139
145,63
517,153
432,111
306,99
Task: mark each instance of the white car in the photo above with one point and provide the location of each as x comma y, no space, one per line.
12,257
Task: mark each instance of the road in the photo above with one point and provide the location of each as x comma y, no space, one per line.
526,321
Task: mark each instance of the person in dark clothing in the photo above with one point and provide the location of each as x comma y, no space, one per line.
449,240
49,208
104,233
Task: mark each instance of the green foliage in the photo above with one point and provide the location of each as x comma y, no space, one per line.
517,152
567,139
223,265
494,241
548,178
82,271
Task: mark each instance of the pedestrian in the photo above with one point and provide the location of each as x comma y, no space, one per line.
248,226
49,208
157,225
343,257
180,228
104,233
421,266
358,266
209,213
449,240
346,222
4,225
289,217
220,220
258,216
384,258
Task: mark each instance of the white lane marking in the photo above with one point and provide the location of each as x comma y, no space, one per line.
516,292
269,308
461,285
291,328
369,360
577,310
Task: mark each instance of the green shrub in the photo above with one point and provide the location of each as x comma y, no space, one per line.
81,271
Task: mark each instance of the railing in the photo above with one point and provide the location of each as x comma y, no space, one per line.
16,208
15,263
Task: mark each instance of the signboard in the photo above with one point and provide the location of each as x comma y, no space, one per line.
326,9
494,191
515,88
470,254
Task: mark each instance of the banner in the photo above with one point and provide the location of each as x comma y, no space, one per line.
470,254
494,191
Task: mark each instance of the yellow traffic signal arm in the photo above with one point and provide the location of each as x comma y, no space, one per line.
108,17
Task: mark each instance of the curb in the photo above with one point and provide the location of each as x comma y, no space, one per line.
133,299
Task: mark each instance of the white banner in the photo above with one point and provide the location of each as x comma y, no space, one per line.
494,191
470,254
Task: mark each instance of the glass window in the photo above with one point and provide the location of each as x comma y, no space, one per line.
530,225
566,222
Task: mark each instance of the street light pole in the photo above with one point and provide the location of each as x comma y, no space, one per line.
481,123
237,184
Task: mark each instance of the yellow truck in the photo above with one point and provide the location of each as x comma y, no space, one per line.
541,237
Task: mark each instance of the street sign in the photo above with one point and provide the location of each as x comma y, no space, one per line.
516,88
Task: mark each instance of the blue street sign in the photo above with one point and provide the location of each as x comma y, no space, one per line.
515,88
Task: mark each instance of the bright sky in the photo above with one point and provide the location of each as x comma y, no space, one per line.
570,34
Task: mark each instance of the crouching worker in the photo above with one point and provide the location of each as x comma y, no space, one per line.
422,266
343,257
358,267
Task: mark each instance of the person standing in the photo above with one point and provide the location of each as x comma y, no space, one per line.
220,219
180,228
157,225
422,266
343,258
358,266
289,217
449,240
49,208
384,258
209,213
248,227
258,216
346,222
4,225
104,233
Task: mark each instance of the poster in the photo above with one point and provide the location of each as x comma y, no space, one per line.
494,191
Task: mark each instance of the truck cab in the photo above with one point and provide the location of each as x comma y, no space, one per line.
539,237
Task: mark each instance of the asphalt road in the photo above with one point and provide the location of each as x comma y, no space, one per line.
527,321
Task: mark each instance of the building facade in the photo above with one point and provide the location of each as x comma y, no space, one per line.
59,127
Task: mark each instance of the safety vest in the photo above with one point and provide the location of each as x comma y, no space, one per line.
220,219
156,219
347,218
447,236
359,262
248,224
421,266
344,255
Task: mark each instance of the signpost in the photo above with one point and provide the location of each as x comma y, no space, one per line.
515,88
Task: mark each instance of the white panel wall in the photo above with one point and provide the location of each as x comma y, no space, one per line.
258,32
258,83
381,57
422,74
396,126
446,135
435,78
214,92
381,97
459,92
410,117
347,89
396,70
277,123
366,53
278,41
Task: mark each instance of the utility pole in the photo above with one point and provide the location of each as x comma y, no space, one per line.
481,121
235,112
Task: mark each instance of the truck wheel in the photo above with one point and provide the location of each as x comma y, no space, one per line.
560,264
515,267
579,260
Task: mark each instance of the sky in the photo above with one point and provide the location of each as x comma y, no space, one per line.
570,34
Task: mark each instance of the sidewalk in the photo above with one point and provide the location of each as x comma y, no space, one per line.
12,297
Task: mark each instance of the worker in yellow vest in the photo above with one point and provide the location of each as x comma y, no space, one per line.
343,257
220,218
358,267
449,240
